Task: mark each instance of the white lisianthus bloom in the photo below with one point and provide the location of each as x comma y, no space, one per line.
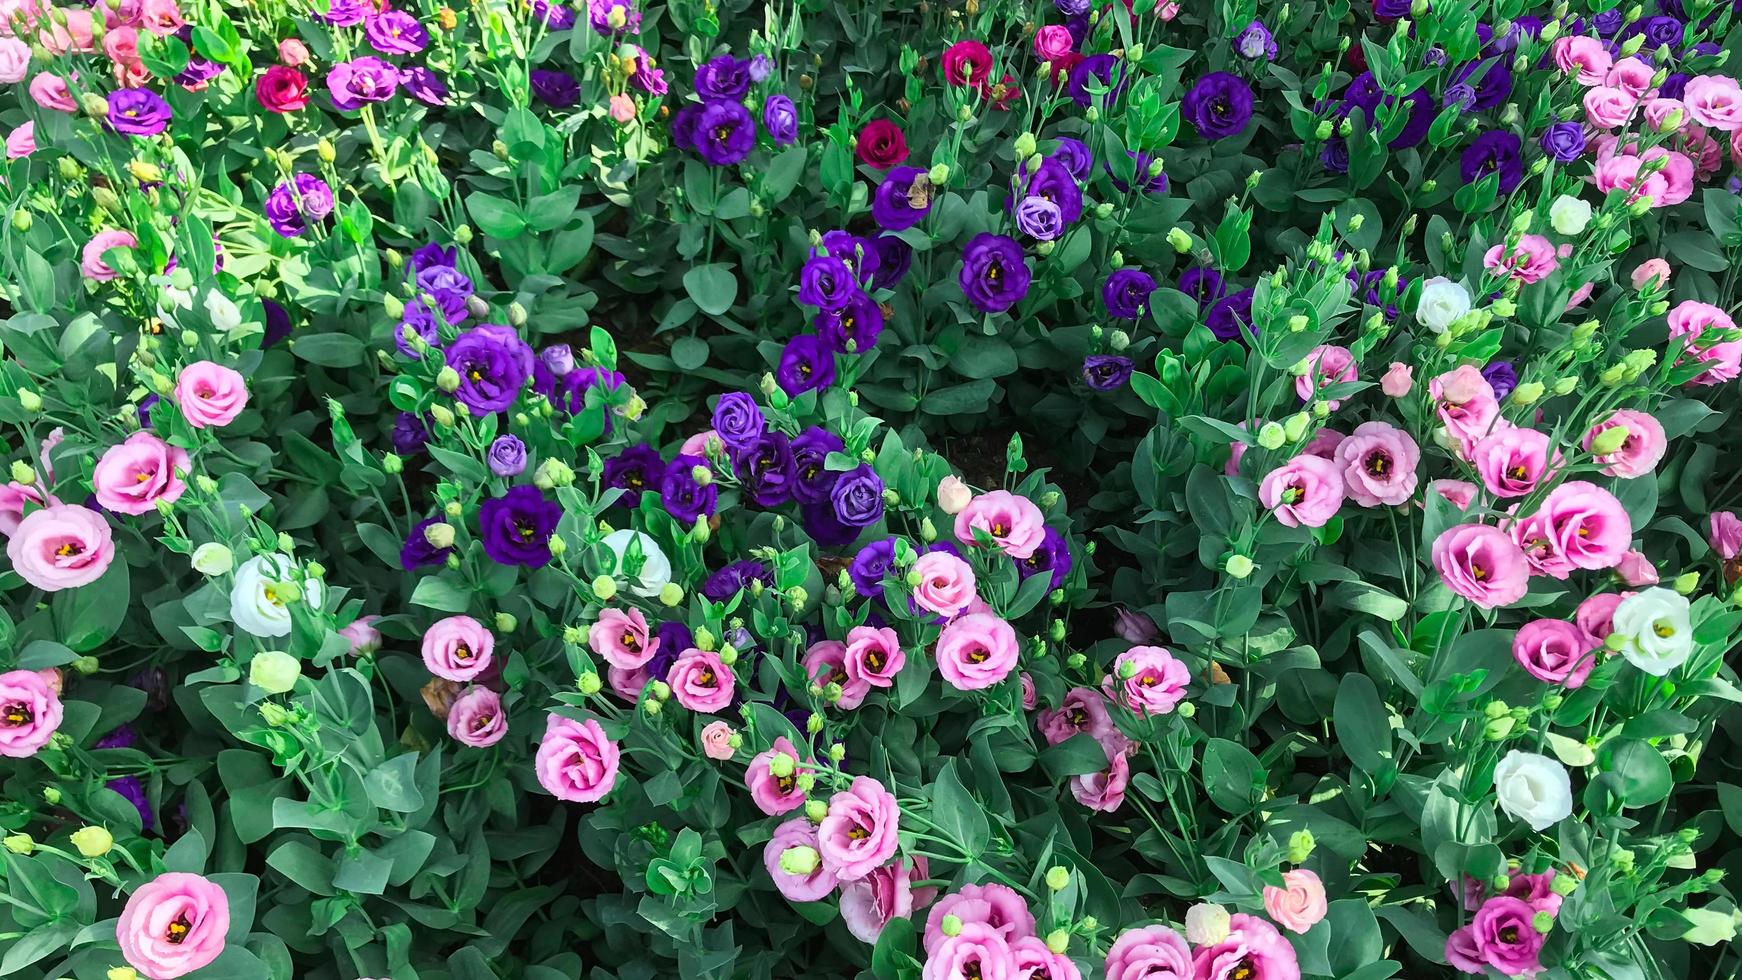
1659,635
1533,788
1442,302
655,571
260,598
226,316
1569,215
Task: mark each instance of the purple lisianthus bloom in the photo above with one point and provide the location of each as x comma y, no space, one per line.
448,287
1106,372
429,256
674,639
294,203
516,527
870,565
134,792
635,469
683,497
1674,86
726,583
764,468
556,16
507,456
1053,555
852,329
420,322
894,206
1334,155
826,282
1219,105
1364,91
556,89
395,32
1255,42
724,133
494,364
1126,293
1609,22
723,77
277,324
649,78
1100,67
360,80
199,70
894,257
857,497
825,528
995,274
1052,181
806,364
1203,284
1563,141
780,119
558,359
1495,152
1141,177
683,126
123,737
1074,156
568,393
1502,377
1039,218
1231,317
1659,31
810,452
1421,119
737,420
1459,96
410,434
138,112
345,13
418,552
1391,9
1491,81
860,257
613,17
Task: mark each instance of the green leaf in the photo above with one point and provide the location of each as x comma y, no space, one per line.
439,593
984,357
497,217
392,785
1363,724
1075,756
86,617
689,353
1233,776
714,288
548,212
1645,777
970,398
335,350
956,813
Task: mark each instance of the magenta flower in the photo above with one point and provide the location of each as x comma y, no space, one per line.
860,830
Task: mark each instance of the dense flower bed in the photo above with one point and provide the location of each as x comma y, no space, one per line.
960,490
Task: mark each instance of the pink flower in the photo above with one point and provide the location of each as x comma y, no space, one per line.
953,495
1029,697
292,52
1459,492
1643,448
697,445
809,886
874,655
627,683
1305,491
13,497
1530,261
1035,961
1633,76
51,92
121,44
1328,364
14,60
701,682
1513,462
30,713
1534,890
364,637
1584,56
476,718
1658,112
1324,444
1103,791
54,438
946,583
867,905
622,108
1580,295
1398,380
976,953
1506,937
1133,627
825,663
71,31
1149,953
1691,319
860,831
61,547
1299,904
1596,616
1648,271
134,476
994,906
1253,950
1053,42
173,925
976,651
160,17
1151,680
1466,404
1714,101
1591,527
1462,951
21,142
458,648
210,394
1014,523
1555,651
717,741
1636,570
620,636
575,761
1725,534
775,795
92,264
1084,711
1607,107
1481,564
1378,462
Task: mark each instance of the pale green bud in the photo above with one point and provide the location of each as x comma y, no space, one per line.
274,671
1058,878
212,559
93,842
1300,846
800,860
604,587
1240,566
1271,436
439,535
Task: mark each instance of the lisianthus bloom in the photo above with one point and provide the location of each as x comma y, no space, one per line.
724,133
359,81
1126,293
806,364
1639,453
14,496
61,547
1052,558
1378,463
1015,525
852,329
1104,790
716,738
1230,318
869,904
1083,711
1513,461
1150,952
620,636
860,831
1299,904
30,713
967,64
134,476
772,778
1714,101
294,203
995,274
701,681
364,637
1218,105
91,262
1107,372
857,497
902,200
764,469
494,364
1466,404
1328,364
1481,564
1494,152
1586,57
825,663
1150,680
946,583
1555,651
575,761
1530,261
1657,629
210,394
476,718
881,144
1692,320
1306,491
1252,950
138,112
793,859
827,281
976,651
556,89
1578,525
173,925
516,527
1725,534
395,32
997,907
729,580
635,469
1052,182
281,88
810,450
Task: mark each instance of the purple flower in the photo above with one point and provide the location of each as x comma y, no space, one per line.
123,737
1039,218
345,13
764,468
894,257
277,325
780,119
1231,317
291,205
1101,68
1502,377
556,89
1564,141
134,792
1421,119
860,257
1255,42
1106,372
1491,81
674,639
810,452
1391,9
1074,156
516,527
418,552
600,14
1659,31
1052,181
852,329
1219,105
994,274
1053,555
556,16
558,359
723,77
648,78
1459,96
1363,92
806,364
138,112
857,497
568,393
826,282
494,364
1203,284
895,206
429,256
870,565
1495,152
635,469
1126,293
448,287
507,456
737,420
683,497
419,321
724,133
1609,21
360,80
825,528
1145,181
1334,155
424,85
395,32
728,581
1072,8
410,434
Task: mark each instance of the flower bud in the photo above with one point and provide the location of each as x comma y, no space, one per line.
659,690
1180,240
1610,440
800,860
604,587
815,810
29,400
951,925
1686,582
939,174
391,464
589,683
814,723
19,843
326,151
1239,566
274,671
212,559
443,415
1207,924
1300,846
1528,393
94,105
93,842
1058,941
1024,146
552,473
505,622
1271,436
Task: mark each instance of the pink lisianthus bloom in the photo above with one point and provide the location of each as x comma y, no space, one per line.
1035,961
869,904
1378,463
1715,101
874,655
997,907
210,394
621,637
476,718
1691,319
50,91
772,794
30,713
160,17
1530,261
1585,57
1633,76
1253,950
13,498
1150,680
697,445
1651,270
1084,711
946,583
364,637
1535,890
60,547
1636,570
1466,404
716,739
1104,791
797,886
575,761
860,831
1608,107
458,648
1513,461
1306,491
1328,365
1030,697
1014,523
21,142
173,925
1324,444
1555,651
1398,380
825,663
1053,42
1459,493
1590,525
700,681
134,476
976,953
1596,616
72,31
1299,904
1149,953
1506,937
91,260
976,651
1481,564
1133,627
627,683
1640,452
1724,534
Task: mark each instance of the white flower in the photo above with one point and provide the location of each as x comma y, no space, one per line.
1659,635
212,558
655,567
225,314
1533,788
1442,301
1569,215
1206,924
260,597
953,495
